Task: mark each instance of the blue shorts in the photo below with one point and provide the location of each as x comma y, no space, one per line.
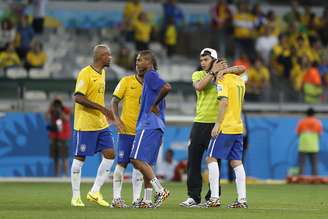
146,145
87,143
226,146
124,147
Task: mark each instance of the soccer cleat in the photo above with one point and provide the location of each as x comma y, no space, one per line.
77,202
119,203
189,203
238,204
98,198
137,203
143,204
161,197
212,203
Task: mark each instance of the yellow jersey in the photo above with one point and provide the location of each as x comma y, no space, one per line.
129,90
91,84
233,88
142,31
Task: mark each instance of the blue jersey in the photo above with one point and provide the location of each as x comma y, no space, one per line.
151,88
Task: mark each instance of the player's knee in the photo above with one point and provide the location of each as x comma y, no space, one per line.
235,163
211,160
135,163
109,154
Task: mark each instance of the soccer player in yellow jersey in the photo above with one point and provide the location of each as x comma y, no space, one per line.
227,139
128,92
91,133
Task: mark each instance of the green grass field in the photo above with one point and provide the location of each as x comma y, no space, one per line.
52,200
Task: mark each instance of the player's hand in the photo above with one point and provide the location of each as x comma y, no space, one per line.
218,66
120,125
109,115
216,130
155,109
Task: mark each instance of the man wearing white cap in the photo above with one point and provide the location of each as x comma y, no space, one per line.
204,82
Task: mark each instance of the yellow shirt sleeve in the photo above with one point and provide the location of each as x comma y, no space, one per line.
121,88
222,89
82,83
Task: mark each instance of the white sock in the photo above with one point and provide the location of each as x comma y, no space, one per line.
102,174
156,185
76,177
147,195
137,180
118,181
213,177
240,182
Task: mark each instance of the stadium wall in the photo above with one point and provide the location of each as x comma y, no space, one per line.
24,146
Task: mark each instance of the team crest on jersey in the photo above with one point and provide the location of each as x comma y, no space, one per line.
219,88
121,154
80,84
83,147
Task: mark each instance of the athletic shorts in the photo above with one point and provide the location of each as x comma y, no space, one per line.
124,147
146,145
87,143
226,146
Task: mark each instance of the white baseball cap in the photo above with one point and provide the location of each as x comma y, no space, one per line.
212,52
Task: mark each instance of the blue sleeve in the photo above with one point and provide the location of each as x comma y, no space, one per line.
153,81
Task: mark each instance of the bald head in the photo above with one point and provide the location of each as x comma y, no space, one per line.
102,55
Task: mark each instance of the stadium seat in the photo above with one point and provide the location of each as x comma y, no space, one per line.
15,73
39,73
35,95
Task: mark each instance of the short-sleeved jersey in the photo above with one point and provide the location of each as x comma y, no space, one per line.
129,91
232,87
91,84
151,88
207,106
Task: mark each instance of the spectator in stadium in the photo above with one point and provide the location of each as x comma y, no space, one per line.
221,24
276,23
243,60
170,38
7,33
166,168
9,58
24,37
265,43
131,11
171,9
39,8
294,14
260,17
244,30
299,69
309,130
282,56
124,58
59,128
258,78
323,27
142,32
312,86
91,121
180,171
36,57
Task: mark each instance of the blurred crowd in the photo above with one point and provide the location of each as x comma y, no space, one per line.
291,47
20,45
